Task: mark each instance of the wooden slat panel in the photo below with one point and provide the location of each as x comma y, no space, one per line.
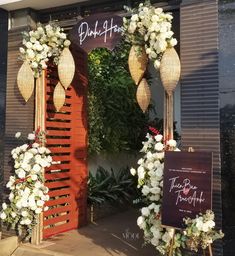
58,210
63,200
58,175
58,184
59,192
200,87
66,217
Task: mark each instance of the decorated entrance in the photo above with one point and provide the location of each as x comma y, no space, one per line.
55,159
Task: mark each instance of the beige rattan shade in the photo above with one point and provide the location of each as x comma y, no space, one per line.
59,96
143,95
137,63
170,69
25,81
66,68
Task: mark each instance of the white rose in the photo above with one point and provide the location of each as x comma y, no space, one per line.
155,241
145,211
24,213
157,64
35,145
3,216
145,190
140,222
21,174
22,50
38,210
40,203
34,64
173,42
18,205
34,177
133,171
37,168
46,209
27,221
13,214
134,17
67,43
11,197
158,137
159,146
141,172
4,206
171,143
30,54
158,10
17,135
39,47
29,45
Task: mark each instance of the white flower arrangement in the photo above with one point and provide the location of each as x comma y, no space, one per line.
200,232
41,44
149,27
150,181
28,193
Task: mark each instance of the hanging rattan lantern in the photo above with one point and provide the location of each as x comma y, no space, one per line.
59,96
25,81
170,69
143,95
137,63
66,68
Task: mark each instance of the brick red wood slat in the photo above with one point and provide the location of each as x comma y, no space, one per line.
68,144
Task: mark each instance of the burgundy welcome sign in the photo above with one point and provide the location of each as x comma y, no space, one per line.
187,189
100,30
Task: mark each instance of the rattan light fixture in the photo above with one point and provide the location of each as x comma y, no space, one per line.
66,68
25,81
170,69
143,95
137,62
59,96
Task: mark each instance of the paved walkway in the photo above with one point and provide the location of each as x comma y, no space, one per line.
112,236
115,235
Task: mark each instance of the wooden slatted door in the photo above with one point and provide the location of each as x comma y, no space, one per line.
67,177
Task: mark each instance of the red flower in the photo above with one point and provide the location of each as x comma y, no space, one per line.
154,130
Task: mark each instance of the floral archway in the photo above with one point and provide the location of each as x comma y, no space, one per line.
149,31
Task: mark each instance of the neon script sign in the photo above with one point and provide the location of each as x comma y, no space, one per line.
97,31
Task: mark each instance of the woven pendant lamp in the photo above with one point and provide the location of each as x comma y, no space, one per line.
170,70
25,81
137,63
66,68
143,95
59,96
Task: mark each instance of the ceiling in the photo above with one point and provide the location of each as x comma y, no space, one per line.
10,5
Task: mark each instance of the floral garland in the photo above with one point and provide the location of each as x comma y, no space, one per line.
41,44
199,233
149,27
28,192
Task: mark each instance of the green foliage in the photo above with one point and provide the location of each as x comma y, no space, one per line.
110,186
115,120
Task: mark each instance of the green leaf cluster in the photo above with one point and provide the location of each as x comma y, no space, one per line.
115,120
117,187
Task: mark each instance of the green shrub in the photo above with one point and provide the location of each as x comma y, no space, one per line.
110,186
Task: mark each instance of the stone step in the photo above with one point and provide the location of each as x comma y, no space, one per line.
27,250
8,245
